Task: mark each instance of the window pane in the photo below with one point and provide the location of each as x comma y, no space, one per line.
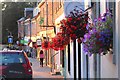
12,58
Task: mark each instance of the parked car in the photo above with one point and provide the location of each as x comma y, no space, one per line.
15,64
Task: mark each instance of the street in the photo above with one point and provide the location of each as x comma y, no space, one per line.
41,72
74,39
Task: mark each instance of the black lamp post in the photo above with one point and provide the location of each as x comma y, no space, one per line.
10,38
30,29
9,33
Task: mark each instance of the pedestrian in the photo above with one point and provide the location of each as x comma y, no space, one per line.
41,57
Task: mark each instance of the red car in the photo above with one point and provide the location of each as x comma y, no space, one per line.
15,65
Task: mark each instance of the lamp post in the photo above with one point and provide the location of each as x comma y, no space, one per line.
10,38
30,29
9,33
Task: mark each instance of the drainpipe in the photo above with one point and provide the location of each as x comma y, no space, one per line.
98,55
46,28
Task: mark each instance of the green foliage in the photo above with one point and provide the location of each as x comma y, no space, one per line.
41,20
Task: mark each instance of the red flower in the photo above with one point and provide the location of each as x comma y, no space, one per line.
97,36
46,45
74,26
98,43
69,19
78,18
79,40
84,25
80,24
73,36
59,42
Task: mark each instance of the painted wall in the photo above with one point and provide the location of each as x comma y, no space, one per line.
108,69
118,36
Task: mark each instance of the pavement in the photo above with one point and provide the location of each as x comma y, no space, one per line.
42,72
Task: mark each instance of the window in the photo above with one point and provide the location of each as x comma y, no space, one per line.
12,58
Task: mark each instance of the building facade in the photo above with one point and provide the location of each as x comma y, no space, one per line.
72,62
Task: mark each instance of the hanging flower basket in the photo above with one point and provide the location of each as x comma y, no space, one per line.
74,26
100,37
59,42
46,45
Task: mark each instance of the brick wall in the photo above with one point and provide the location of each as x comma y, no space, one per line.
58,9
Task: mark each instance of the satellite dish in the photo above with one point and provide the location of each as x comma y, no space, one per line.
70,6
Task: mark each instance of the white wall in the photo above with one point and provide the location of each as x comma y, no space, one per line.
71,74
57,59
108,69
71,61
77,59
118,37
91,65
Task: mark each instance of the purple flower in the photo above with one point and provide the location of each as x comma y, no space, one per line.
95,20
90,54
94,30
87,26
99,19
105,14
103,19
87,36
101,33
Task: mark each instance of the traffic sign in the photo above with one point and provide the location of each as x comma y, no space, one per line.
10,39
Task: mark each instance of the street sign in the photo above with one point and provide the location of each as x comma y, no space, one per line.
39,42
21,41
26,40
10,39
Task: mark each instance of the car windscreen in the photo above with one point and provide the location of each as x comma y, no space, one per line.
10,57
